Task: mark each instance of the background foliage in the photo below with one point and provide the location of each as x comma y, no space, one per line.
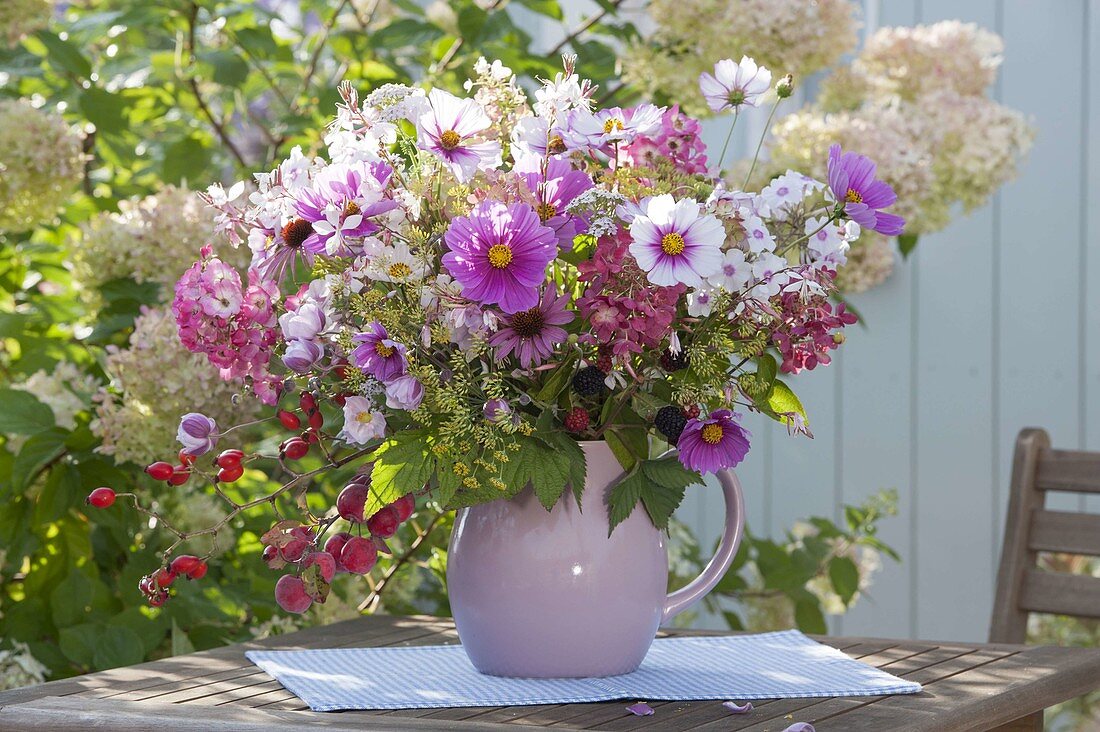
192,92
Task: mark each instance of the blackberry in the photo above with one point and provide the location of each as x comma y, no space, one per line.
670,422
674,362
589,381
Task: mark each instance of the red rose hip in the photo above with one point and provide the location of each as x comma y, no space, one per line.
159,470
100,498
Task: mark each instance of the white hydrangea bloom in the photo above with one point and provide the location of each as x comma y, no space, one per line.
41,163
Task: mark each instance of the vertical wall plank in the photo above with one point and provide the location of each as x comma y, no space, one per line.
1090,235
1041,213
954,484
875,377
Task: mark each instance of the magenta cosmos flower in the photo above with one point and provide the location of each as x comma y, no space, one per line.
532,334
852,180
499,254
674,243
451,129
712,443
377,355
555,187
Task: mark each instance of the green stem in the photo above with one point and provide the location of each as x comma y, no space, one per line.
729,136
760,143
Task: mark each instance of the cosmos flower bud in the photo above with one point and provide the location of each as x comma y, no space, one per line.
785,87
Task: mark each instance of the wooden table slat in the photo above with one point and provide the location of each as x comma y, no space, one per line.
966,687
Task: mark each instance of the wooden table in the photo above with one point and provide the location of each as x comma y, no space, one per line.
966,687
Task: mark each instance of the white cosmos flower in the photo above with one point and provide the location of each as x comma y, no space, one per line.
732,84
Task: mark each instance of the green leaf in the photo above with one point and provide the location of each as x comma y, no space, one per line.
670,473
70,599
549,8
229,68
784,401
844,575
38,451
78,642
907,243
402,464
550,480
185,160
766,369
808,616
105,110
181,644
117,646
574,456
22,413
624,497
629,444
64,55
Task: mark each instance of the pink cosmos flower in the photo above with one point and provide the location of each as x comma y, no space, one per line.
852,180
678,140
377,355
499,254
674,243
708,444
732,84
607,127
340,203
532,334
555,187
451,129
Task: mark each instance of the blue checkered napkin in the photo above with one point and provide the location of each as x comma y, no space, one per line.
765,666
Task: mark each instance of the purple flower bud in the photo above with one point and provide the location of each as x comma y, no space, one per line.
301,356
496,411
303,324
738,708
404,392
197,433
640,709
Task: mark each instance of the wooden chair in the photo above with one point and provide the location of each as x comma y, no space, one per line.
1030,528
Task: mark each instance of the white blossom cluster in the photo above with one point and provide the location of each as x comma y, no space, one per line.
153,381
18,667
789,36
41,162
149,239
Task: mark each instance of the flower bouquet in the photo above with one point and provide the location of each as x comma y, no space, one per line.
489,302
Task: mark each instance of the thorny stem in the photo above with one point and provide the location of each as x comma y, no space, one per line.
239,508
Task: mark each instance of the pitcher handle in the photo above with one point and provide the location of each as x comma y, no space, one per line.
695,590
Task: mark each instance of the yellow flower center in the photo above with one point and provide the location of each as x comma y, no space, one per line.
853,196
383,350
363,417
449,140
399,270
351,209
500,256
555,145
712,434
672,243
546,211
612,125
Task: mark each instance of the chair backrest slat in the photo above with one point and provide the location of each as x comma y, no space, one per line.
1069,470
1061,593
1068,533
1029,529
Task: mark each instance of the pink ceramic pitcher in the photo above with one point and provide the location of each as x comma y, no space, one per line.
549,594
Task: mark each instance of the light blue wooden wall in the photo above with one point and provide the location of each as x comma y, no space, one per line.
992,326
